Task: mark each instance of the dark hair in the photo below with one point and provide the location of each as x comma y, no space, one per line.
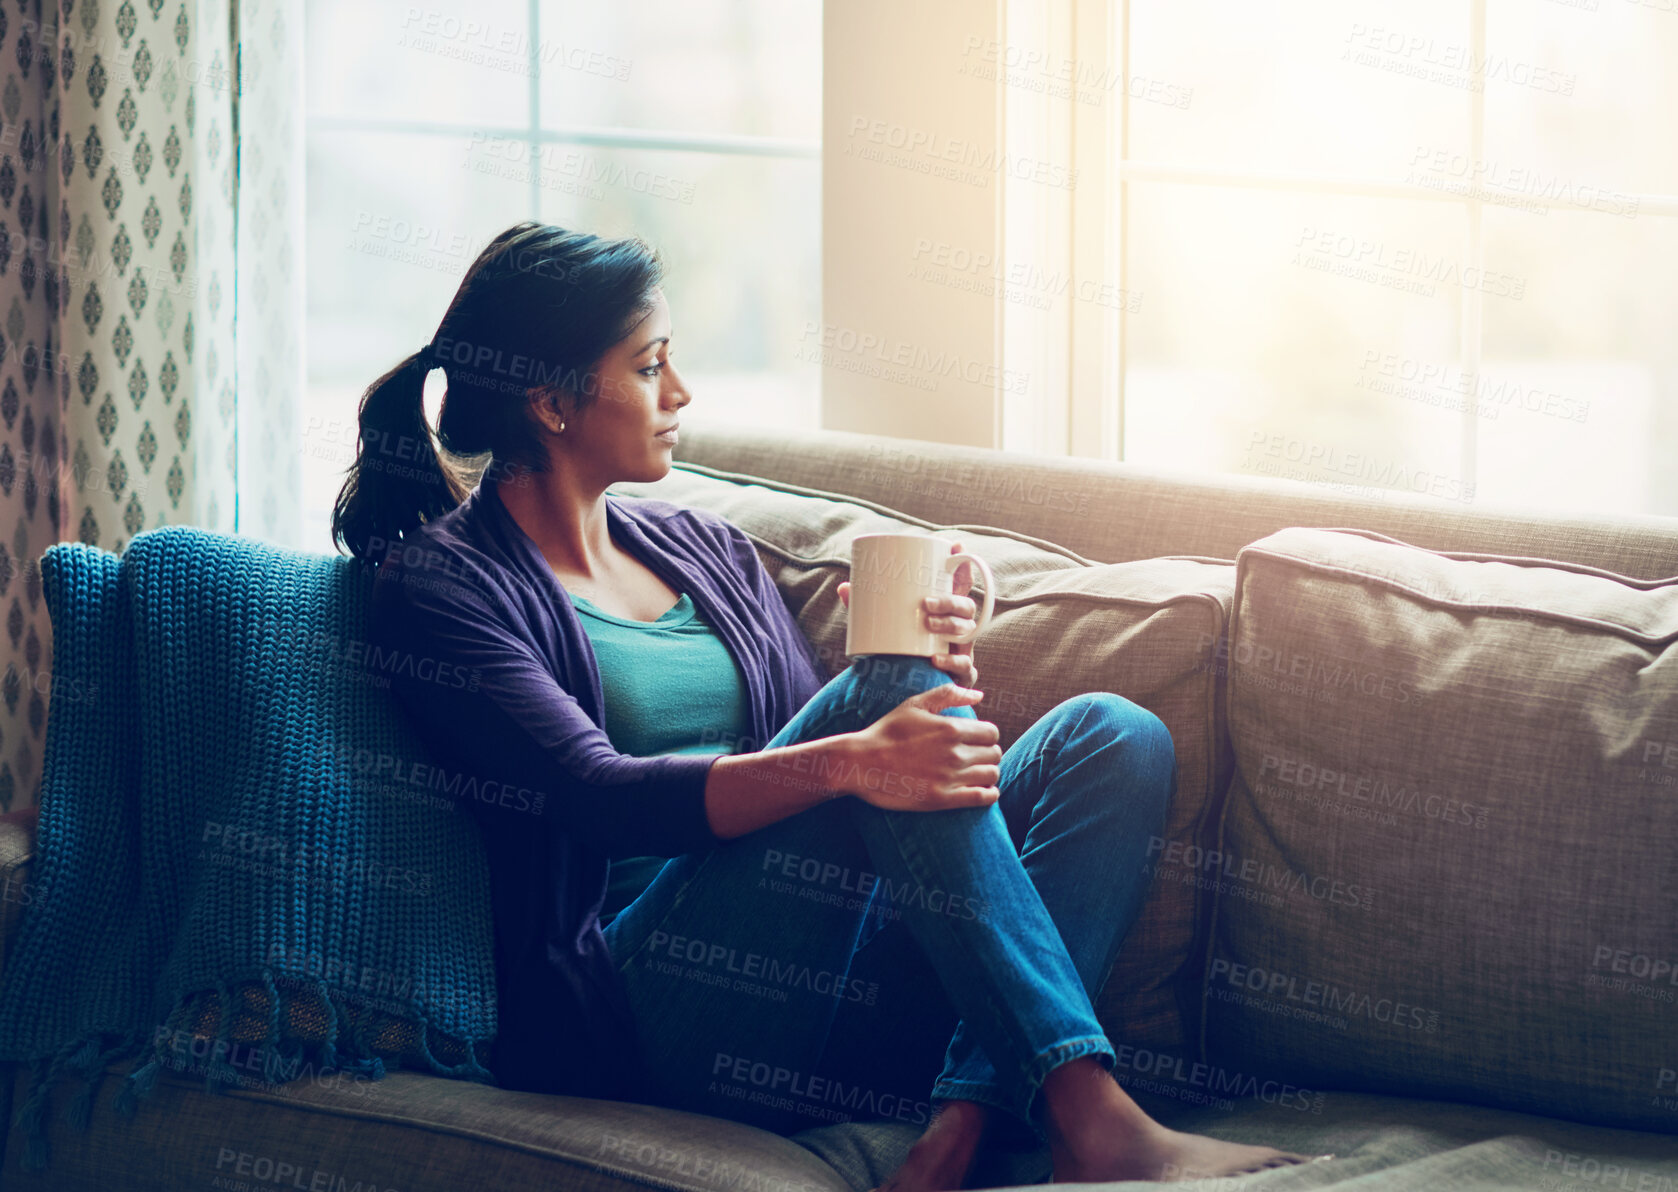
539,307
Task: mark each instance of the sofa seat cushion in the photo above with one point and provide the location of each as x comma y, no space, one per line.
411,1132
1379,1144
1146,630
1447,862
1401,1144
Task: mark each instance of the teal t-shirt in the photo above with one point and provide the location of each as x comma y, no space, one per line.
671,686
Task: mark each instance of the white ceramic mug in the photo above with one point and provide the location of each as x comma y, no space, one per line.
891,575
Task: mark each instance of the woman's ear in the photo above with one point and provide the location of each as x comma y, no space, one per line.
551,405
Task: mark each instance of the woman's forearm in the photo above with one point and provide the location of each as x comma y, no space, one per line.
748,791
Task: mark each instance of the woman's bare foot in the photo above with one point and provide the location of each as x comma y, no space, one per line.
1097,1133
1169,1157
940,1159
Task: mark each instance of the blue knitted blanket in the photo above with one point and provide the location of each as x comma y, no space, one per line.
241,871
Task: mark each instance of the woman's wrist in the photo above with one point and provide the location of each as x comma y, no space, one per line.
747,791
815,768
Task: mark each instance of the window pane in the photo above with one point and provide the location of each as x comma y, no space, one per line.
741,241
1582,374
392,224
394,220
705,66
1612,134
1357,366
1290,335
443,60
1319,86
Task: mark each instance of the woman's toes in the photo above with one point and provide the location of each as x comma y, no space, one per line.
1284,1159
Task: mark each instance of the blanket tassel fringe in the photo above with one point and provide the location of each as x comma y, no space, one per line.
282,1060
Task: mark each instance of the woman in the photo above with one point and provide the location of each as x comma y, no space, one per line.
862,880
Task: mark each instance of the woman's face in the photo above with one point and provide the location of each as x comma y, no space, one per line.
626,432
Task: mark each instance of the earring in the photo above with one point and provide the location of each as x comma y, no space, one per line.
562,426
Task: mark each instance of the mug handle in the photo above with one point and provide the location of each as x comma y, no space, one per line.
983,619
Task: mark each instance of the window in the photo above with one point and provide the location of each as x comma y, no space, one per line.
695,125
1426,247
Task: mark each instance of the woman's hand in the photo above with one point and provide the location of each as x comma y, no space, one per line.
947,616
914,759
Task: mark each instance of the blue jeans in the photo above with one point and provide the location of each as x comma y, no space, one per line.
796,975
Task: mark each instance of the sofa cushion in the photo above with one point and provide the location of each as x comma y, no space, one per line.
409,1131
420,1133
1447,853
1063,626
17,889
1115,512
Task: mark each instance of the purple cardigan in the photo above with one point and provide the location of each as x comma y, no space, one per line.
486,653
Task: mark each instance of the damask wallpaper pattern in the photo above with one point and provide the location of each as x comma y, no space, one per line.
150,296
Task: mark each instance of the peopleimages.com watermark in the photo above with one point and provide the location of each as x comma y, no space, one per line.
1566,1171
1198,1083
1525,188
782,870
1450,387
1165,856
1666,1089
1320,785
1296,672
833,345
54,687
416,780
1364,473
1404,268
713,1168
955,267
1450,64
377,988
726,967
502,47
939,155
1321,1002
264,1172
568,169
250,1065
1659,763
775,1086
232,846
1638,974
1060,77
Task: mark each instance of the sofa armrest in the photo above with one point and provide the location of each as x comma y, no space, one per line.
17,856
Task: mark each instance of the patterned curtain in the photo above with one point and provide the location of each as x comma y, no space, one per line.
150,296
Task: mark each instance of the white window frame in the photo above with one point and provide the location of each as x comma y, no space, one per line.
1089,416
535,134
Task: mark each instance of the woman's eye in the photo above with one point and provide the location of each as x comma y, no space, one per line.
653,371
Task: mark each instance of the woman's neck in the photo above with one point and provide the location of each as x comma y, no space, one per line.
565,520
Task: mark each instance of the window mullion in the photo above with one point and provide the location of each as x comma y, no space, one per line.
1097,258
533,19
1113,433
1472,306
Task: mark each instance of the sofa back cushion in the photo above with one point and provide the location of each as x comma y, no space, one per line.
1115,512
1449,841
1062,626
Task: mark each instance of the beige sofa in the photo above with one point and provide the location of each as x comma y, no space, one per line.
1415,903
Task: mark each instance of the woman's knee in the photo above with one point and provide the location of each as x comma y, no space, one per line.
862,693
880,682
1103,718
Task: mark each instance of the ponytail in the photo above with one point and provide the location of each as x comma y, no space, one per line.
538,308
397,480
